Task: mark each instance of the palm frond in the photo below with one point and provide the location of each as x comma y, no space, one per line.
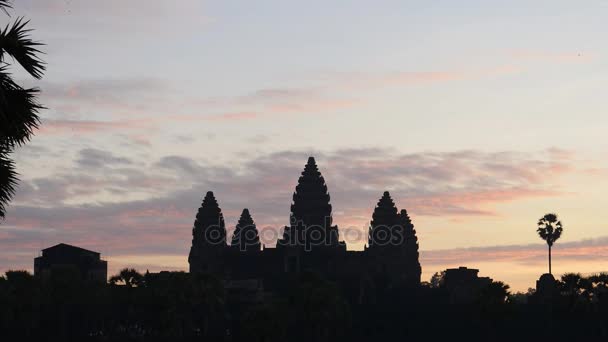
18,106
5,5
114,279
549,228
551,217
18,111
557,234
15,41
542,233
8,180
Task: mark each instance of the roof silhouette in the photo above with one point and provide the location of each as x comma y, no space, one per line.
66,246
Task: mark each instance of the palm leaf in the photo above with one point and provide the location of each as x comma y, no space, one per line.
8,180
18,106
5,5
549,228
15,41
18,111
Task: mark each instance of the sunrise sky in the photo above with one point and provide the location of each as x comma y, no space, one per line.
478,116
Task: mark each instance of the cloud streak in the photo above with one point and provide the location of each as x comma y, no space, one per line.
128,206
52,126
590,250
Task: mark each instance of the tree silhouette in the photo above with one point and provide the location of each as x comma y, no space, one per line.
128,277
495,293
18,106
437,280
317,309
550,230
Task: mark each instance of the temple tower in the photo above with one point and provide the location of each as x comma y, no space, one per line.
311,217
208,236
384,227
410,240
410,245
245,237
393,245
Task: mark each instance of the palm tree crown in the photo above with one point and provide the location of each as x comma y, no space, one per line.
18,106
550,230
128,277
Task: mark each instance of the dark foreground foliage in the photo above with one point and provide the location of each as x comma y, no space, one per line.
179,306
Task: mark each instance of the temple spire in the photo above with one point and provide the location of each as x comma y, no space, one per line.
384,220
208,237
209,227
245,237
311,211
409,245
310,200
410,240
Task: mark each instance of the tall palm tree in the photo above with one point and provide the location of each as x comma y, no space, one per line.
550,230
18,106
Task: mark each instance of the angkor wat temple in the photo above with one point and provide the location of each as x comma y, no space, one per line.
310,243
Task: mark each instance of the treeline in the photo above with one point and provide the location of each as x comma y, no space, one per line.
177,306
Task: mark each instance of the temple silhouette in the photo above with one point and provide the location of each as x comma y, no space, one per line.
311,243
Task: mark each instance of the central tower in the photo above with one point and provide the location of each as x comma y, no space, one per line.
310,219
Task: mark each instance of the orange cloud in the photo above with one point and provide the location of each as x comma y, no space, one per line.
473,201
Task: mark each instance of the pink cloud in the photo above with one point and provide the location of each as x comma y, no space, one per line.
472,203
59,126
67,208
366,80
50,126
554,57
589,250
234,116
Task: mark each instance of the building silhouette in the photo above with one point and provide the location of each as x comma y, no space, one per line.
63,257
546,288
464,285
311,243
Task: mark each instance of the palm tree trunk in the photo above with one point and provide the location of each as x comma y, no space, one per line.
549,259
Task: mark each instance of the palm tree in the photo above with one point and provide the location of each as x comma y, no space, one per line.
18,106
128,277
550,230
495,293
437,280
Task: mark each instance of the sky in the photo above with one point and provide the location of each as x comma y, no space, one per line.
478,116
